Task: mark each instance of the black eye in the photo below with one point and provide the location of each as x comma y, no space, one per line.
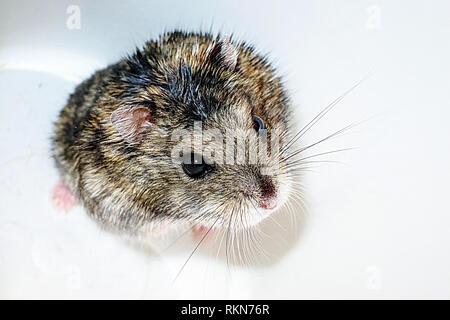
195,167
259,123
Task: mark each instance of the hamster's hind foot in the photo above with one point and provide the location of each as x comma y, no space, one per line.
62,197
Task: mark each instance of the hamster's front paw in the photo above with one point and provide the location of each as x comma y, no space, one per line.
205,232
62,197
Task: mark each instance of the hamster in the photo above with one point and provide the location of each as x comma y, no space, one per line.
113,141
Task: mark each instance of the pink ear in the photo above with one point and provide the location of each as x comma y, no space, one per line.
225,53
131,122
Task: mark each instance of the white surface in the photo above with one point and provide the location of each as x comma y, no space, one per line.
377,226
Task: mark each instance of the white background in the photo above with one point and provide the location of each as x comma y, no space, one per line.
377,224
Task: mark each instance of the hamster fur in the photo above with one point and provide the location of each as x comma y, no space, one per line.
112,143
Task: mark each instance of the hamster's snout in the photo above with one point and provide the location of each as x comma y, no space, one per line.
269,203
268,194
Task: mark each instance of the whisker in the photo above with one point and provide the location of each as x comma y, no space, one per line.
300,161
319,116
195,249
227,238
334,134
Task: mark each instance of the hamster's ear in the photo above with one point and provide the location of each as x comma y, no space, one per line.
225,53
131,122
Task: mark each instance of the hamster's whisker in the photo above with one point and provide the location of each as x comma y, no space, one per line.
256,241
309,125
300,162
324,153
231,234
294,172
251,244
195,249
220,244
238,248
178,238
250,236
319,116
189,229
184,233
257,232
227,238
330,136
290,212
243,224
279,225
235,239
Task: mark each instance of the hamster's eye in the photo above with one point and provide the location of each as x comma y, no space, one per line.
196,166
258,123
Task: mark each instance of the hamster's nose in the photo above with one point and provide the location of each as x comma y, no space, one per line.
268,194
269,203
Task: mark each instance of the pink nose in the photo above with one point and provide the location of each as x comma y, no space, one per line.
268,203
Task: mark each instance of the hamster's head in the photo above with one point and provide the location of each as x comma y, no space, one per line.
201,123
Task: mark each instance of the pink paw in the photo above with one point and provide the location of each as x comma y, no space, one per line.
62,197
201,232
